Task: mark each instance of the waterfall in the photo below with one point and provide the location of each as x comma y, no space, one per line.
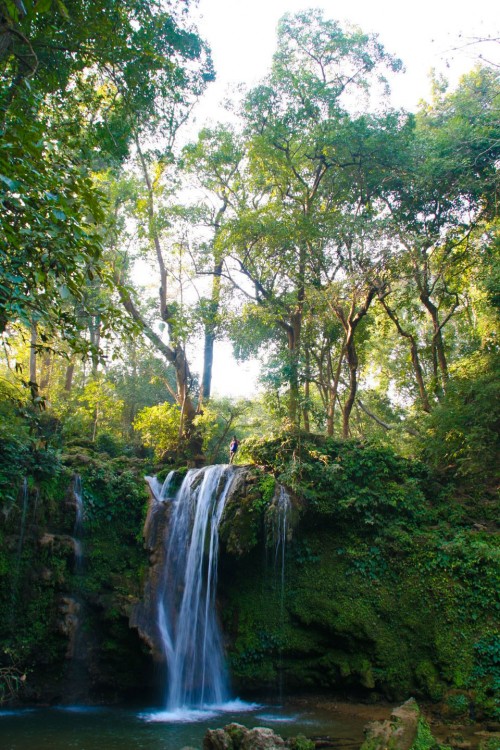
187,621
281,507
76,677
280,535
161,492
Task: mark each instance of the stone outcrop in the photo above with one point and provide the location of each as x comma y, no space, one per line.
237,737
397,733
144,612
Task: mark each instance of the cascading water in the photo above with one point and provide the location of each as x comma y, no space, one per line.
281,507
161,492
76,677
187,619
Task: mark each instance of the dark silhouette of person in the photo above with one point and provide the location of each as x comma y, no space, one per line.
233,449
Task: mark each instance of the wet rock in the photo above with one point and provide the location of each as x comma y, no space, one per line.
68,625
238,737
399,732
143,613
262,738
217,739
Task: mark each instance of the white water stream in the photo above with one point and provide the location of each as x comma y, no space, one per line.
187,619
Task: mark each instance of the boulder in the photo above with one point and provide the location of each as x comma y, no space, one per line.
238,737
397,733
217,739
262,738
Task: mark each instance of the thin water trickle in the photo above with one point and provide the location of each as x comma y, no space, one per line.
76,678
280,530
187,620
282,519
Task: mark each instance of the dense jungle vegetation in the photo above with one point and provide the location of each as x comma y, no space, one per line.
350,246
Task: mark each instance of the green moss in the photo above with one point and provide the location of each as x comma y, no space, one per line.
424,739
379,595
300,742
427,674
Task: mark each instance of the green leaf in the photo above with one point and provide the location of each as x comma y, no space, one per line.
11,184
43,6
62,9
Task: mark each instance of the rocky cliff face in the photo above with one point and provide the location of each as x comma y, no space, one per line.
64,618
144,613
382,589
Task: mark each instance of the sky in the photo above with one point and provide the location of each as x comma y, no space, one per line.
425,34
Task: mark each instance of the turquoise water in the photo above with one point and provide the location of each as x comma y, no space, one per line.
83,728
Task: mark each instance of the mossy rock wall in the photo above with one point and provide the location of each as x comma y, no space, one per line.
64,632
383,594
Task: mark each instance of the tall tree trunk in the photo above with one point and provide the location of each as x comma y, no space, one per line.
414,355
352,363
174,353
211,322
46,371
294,339
210,333
437,339
33,342
174,356
333,389
350,323
68,381
95,341
305,410
294,331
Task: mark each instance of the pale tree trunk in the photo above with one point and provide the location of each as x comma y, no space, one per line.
210,333
32,367
294,340
293,332
175,353
95,341
211,322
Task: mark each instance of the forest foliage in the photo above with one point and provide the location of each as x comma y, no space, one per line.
349,246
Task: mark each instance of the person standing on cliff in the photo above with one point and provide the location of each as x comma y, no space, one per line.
233,449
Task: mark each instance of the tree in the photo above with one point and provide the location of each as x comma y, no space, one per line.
110,65
214,160
308,174
443,194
